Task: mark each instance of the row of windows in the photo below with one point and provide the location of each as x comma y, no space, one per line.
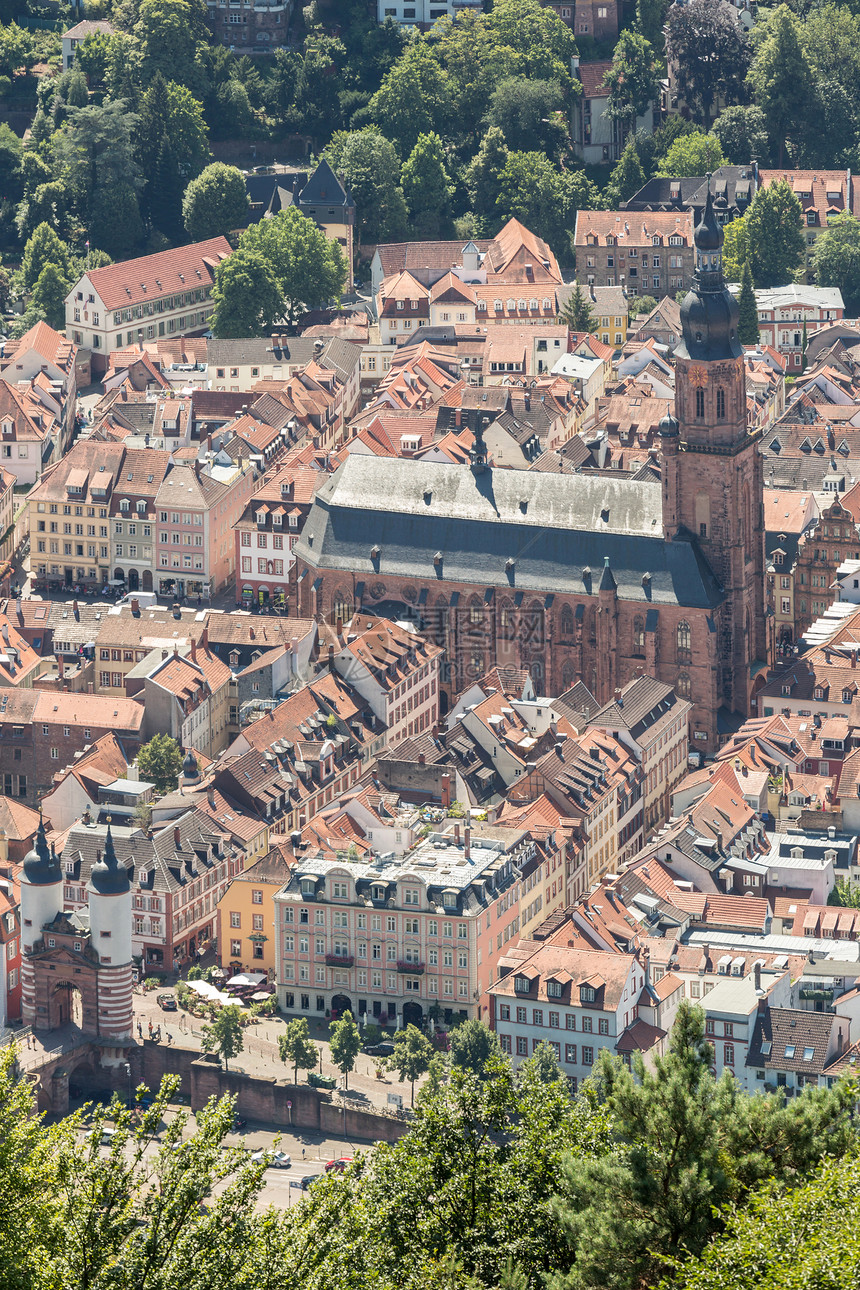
586,1024
570,1052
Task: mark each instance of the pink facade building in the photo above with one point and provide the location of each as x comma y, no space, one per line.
196,509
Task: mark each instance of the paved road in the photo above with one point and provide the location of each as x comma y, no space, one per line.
281,1187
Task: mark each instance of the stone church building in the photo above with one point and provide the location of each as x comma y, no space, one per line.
574,576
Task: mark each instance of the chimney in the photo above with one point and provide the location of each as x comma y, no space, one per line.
211,797
468,842
252,634
854,658
757,972
331,657
446,791
193,650
204,638
176,839
75,610
135,607
339,628
61,666
456,835
421,759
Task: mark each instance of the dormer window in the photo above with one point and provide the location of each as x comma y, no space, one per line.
378,893
124,505
846,696
449,900
308,886
587,994
522,984
410,896
553,989
141,508
277,519
818,693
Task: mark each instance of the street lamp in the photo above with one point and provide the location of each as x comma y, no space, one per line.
128,1073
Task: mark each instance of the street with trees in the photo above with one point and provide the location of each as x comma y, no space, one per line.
223,1035
296,1047
344,1044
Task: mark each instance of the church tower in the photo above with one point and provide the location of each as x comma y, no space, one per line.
712,467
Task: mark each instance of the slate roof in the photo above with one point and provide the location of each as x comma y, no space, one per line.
783,1031
557,530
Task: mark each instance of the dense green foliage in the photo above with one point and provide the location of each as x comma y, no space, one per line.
501,1180
160,762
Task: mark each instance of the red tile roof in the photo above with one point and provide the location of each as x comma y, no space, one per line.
150,276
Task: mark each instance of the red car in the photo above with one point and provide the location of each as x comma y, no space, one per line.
339,1164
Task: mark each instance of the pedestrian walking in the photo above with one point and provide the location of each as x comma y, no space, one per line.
169,1038
150,1028
139,1029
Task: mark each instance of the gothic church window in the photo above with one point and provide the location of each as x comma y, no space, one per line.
683,641
700,403
721,404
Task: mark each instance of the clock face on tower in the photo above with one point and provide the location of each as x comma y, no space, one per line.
698,376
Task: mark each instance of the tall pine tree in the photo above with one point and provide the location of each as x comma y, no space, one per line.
748,332
577,311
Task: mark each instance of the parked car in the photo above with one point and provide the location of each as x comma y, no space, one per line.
277,1159
379,1050
311,1178
167,1002
339,1165
108,1135
238,1125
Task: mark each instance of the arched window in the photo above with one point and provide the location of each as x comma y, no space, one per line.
507,619
341,607
476,615
700,403
682,685
721,404
440,620
532,625
638,637
568,674
567,622
683,640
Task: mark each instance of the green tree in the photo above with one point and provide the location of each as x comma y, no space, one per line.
627,177
483,178
742,134
474,1047
542,43
77,94
166,41
295,1045
309,269
17,49
223,1035
159,762
736,249
692,154
370,168
836,259
748,332
43,247
546,200
215,202
426,186
412,1055
845,894
94,154
709,49
49,296
91,56
640,305
651,18
247,296
414,99
775,233
529,114
781,81
171,149
632,80
345,1044
445,1207
805,1236
578,312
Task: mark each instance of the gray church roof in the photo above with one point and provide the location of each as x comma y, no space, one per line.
512,529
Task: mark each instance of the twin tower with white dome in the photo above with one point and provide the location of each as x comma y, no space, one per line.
77,965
